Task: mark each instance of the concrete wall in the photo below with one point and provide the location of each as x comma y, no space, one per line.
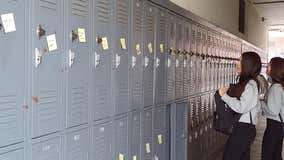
225,14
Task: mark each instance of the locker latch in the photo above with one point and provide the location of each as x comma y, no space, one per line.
184,64
40,31
169,62
74,35
157,62
133,63
71,58
38,57
1,27
146,61
177,63
117,60
97,59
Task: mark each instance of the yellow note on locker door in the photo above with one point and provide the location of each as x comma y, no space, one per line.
148,148
160,139
82,35
104,43
121,157
123,43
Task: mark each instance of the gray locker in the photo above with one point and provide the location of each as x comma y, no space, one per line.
147,144
160,57
168,133
179,59
203,74
203,108
209,79
46,66
101,144
159,132
77,145
170,62
101,53
49,150
204,42
120,68
148,53
186,59
120,139
197,109
134,135
12,70
77,56
13,154
193,71
136,68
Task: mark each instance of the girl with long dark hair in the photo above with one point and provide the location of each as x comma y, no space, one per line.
243,99
274,111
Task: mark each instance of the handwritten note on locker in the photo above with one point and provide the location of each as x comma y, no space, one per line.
150,48
148,148
123,43
162,48
104,43
160,139
8,21
82,35
121,157
138,49
134,157
51,42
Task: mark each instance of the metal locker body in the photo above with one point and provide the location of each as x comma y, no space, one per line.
159,132
146,130
46,67
77,61
77,145
12,70
203,108
193,77
179,58
120,67
101,143
203,74
13,154
49,149
136,55
160,57
102,58
120,139
134,137
149,21
168,133
170,71
186,59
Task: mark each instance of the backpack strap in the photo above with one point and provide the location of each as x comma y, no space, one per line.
250,117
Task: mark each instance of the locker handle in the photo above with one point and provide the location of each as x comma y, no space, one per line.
40,31
1,27
99,39
38,57
74,35
71,58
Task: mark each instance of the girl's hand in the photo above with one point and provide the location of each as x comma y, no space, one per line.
223,91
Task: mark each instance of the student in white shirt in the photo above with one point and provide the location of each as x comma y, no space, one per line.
273,135
243,99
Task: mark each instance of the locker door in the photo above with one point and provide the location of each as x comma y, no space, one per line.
186,59
168,133
193,61
171,36
179,59
120,55
101,52
47,150
147,135
181,131
120,139
208,73
202,108
17,154
136,70
46,76
134,136
12,71
77,145
203,75
102,141
77,56
159,132
160,57
198,60
148,59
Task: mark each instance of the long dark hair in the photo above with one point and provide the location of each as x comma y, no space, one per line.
250,69
277,70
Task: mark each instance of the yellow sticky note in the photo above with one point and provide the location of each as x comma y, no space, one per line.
150,48
160,139
138,49
162,48
134,157
123,43
148,148
104,43
82,35
51,42
121,157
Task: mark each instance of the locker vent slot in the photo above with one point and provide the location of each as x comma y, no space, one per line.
8,113
138,20
137,90
47,105
80,8
100,140
103,10
101,96
162,25
79,102
122,92
122,15
48,4
150,23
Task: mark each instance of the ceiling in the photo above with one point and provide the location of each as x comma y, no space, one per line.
272,11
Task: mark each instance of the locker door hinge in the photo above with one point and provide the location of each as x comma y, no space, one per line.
38,57
71,58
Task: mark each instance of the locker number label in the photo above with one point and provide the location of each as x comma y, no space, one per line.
150,47
160,139
51,42
120,157
8,21
134,157
105,43
82,35
138,49
123,43
162,48
148,148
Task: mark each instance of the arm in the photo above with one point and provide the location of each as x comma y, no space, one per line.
273,102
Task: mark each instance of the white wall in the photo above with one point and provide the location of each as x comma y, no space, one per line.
225,14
